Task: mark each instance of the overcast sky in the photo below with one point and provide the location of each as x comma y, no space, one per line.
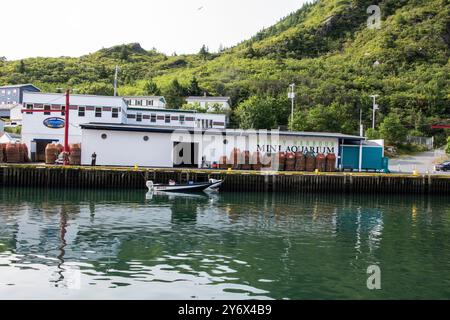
55,28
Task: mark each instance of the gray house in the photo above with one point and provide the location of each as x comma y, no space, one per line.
11,97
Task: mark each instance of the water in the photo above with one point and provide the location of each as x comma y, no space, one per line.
120,245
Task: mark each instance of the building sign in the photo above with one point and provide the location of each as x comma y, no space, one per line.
54,123
319,146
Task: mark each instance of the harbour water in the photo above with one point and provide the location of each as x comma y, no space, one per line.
80,244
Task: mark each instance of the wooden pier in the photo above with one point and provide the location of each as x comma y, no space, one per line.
235,181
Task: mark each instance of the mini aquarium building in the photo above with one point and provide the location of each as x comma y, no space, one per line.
147,136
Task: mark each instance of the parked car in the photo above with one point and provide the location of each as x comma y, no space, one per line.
445,166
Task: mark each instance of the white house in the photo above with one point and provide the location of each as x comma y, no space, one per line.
45,121
211,103
146,102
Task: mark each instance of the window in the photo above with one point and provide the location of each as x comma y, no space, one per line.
9,92
210,123
14,91
145,138
63,109
139,117
3,92
104,136
98,112
181,118
167,118
115,113
29,107
81,111
153,118
139,102
150,102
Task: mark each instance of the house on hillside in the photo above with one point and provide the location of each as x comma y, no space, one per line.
211,103
11,99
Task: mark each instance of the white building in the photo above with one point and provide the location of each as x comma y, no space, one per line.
211,103
45,121
158,102
2,126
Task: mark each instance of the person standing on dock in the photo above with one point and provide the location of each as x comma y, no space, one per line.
94,159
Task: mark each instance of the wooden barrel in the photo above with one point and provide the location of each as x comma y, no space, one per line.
246,161
331,162
26,157
300,161
281,161
290,161
310,162
321,164
51,153
223,163
266,161
2,153
12,153
256,161
235,158
21,153
75,155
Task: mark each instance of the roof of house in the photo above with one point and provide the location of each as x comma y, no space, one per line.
75,99
238,132
203,98
19,86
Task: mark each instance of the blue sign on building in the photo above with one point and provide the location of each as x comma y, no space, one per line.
54,123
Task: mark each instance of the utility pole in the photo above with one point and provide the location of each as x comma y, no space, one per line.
291,95
115,80
66,128
375,108
361,127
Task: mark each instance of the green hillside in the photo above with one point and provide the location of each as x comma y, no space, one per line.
325,48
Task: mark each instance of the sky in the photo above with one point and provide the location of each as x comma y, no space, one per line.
53,28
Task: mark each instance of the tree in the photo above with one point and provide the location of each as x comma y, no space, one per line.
97,88
193,88
21,67
392,130
204,52
124,53
257,113
195,107
372,134
175,94
150,88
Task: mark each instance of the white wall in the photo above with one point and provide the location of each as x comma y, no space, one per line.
124,148
16,113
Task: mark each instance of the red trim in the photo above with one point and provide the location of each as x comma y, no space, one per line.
443,126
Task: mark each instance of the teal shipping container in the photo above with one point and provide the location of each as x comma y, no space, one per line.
372,157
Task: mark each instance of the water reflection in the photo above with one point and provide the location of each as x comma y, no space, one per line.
219,246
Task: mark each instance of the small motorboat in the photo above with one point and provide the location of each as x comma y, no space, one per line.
211,185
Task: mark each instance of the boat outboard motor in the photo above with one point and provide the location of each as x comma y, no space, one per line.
149,185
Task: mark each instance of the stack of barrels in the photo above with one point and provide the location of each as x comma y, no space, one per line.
256,161
300,161
331,162
14,153
246,164
281,161
2,153
235,158
75,154
51,153
321,162
290,161
310,162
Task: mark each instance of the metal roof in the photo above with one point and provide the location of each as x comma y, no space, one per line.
225,99
19,86
239,132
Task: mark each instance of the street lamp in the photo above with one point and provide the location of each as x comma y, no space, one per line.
291,95
374,108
